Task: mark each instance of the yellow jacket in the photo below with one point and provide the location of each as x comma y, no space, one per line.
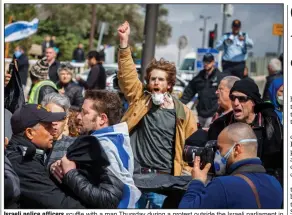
140,103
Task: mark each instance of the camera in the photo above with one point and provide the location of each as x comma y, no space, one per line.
206,154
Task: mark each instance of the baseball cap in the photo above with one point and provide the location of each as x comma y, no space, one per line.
31,114
236,23
208,57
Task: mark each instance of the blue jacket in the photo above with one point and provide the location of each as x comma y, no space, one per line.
228,192
274,87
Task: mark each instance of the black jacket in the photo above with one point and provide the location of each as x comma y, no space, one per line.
23,64
92,181
270,78
13,92
105,193
268,130
53,71
74,93
44,91
38,191
206,88
96,78
11,186
78,55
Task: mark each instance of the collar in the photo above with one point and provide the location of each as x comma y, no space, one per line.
27,148
54,62
179,109
102,130
121,128
249,161
257,122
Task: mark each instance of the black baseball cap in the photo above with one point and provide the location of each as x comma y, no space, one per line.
208,57
236,23
31,114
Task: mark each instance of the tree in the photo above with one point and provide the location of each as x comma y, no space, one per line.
20,12
71,23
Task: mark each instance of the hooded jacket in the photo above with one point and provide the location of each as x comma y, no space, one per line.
268,130
269,80
139,105
274,87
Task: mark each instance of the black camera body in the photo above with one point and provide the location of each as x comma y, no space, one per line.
206,154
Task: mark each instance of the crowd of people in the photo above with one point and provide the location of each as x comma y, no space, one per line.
71,145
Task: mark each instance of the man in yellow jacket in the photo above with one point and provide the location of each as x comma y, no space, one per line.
158,123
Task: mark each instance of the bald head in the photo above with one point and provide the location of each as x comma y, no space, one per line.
236,132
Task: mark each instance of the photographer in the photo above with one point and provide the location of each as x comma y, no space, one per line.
245,186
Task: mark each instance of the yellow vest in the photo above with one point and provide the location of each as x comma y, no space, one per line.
34,95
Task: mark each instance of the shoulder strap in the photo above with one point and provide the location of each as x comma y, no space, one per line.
249,168
253,188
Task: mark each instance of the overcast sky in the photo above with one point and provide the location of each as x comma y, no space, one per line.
257,20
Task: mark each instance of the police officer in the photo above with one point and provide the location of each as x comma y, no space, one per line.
234,46
205,84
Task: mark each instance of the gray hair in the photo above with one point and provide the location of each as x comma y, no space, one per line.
230,81
58,99
67,67
275,64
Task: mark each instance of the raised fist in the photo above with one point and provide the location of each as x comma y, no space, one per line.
124,32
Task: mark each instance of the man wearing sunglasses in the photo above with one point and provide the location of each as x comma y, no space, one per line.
242,182
248,108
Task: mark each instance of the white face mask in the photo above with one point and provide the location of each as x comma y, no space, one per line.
221,162
158,98
280,100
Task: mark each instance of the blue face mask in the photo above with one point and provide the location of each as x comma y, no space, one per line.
17,54
220,161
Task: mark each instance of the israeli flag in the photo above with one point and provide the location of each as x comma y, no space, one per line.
19,30
115,141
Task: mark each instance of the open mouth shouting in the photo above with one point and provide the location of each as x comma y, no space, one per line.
156,90
237,112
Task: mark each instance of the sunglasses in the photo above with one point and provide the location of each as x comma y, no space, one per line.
240,98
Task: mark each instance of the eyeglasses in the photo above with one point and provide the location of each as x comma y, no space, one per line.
240,98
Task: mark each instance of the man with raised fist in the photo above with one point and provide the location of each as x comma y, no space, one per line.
158,123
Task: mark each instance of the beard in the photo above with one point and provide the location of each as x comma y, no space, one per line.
91,126
152,89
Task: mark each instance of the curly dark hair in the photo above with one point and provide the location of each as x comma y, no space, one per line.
162,64
73,123
106,102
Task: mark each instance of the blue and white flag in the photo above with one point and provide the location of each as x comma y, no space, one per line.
19,30
115,141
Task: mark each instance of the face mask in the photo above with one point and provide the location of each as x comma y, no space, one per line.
220,161
280,100
17,54
158,98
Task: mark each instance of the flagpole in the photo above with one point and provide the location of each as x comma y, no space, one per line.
7,44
